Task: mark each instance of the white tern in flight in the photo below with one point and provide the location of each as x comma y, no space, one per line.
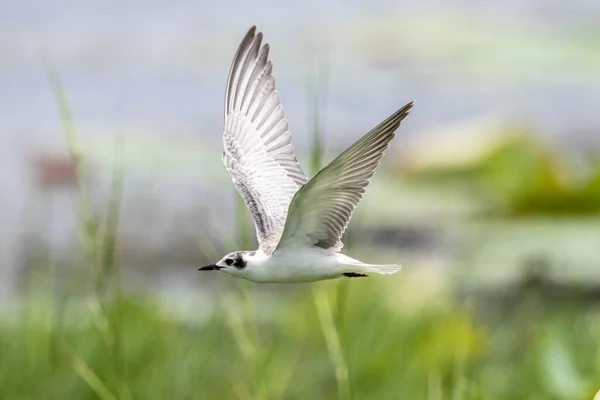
299,222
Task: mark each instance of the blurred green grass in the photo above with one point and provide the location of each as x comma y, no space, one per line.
396,343
403,337
519,176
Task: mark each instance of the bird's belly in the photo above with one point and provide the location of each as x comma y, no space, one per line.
301,268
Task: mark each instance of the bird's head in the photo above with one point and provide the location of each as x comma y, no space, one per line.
236,263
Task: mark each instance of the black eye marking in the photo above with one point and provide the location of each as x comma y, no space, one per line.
229,261
239,263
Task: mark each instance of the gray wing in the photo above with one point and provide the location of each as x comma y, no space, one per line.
257,145
321,210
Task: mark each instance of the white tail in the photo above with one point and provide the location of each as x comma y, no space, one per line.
356,266
383,269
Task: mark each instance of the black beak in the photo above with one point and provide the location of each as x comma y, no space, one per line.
212,267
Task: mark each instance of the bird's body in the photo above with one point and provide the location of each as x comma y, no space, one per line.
292,266
299,222
303,265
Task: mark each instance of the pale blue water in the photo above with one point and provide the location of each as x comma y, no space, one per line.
161,66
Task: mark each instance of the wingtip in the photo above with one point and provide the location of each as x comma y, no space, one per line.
404,111
252,36
408,106
249,35
246,42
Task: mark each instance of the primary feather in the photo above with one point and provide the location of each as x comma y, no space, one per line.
257,144
321,209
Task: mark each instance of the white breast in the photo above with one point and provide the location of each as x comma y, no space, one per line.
307,265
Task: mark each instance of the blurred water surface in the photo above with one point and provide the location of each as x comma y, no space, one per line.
155,72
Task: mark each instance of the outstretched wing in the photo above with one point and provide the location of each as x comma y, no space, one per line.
257,145
321,210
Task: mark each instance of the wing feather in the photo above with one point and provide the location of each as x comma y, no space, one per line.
257,144
320,211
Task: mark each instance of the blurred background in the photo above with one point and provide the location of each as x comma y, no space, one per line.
112,194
